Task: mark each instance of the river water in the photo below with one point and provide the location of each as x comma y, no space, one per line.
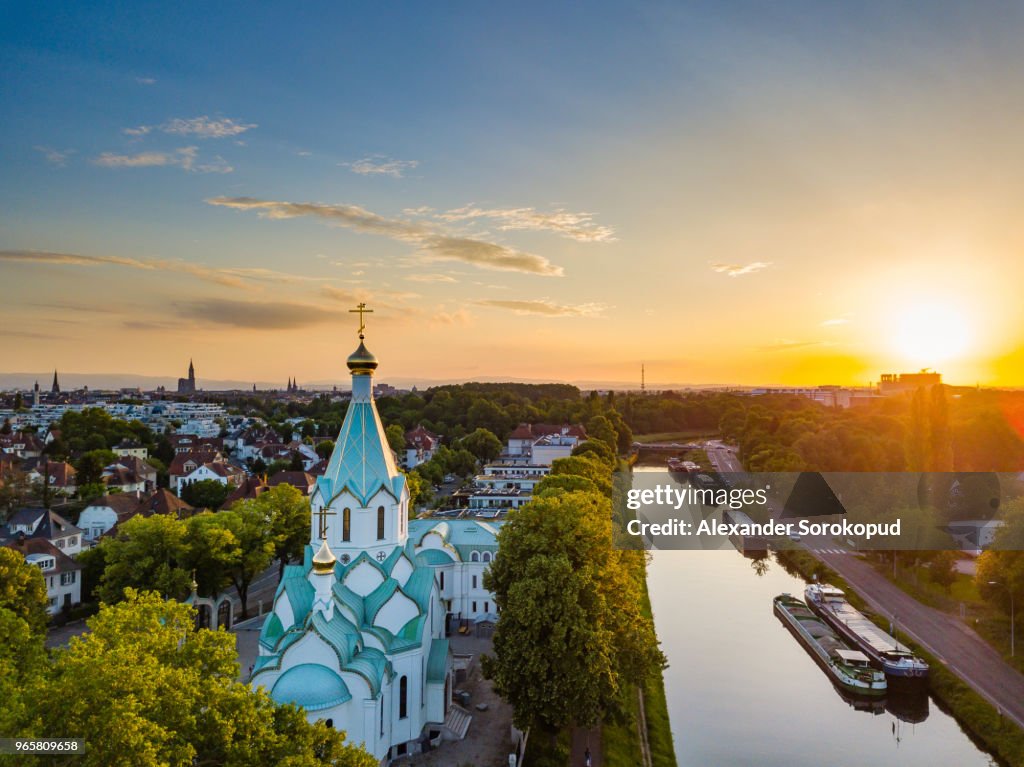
743,691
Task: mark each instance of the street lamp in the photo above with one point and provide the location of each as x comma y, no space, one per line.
1010,592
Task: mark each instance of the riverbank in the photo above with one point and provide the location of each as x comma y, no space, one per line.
980,719
623,742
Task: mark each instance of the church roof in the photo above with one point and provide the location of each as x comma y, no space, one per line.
311,686
437,663
464,535
362,461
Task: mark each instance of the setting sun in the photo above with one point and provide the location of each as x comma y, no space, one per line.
928,333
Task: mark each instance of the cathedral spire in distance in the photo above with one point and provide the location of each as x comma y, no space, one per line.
55,389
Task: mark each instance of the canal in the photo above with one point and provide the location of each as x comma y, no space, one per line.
743,691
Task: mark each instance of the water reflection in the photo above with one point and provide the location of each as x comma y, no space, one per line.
742,691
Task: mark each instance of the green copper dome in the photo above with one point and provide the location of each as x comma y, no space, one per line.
362,361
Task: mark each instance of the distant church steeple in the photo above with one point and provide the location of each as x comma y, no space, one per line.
55,389
188,385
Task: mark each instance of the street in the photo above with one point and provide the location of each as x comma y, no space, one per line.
964,652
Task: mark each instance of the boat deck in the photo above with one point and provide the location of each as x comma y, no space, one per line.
871,634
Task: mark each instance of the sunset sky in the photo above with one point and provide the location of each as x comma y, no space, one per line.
796,193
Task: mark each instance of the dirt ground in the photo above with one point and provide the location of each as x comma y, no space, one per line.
487,743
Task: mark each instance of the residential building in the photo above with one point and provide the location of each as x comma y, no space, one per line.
420,445
61,573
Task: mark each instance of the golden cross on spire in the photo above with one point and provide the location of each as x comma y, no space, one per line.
361,310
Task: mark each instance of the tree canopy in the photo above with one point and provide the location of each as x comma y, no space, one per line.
147,689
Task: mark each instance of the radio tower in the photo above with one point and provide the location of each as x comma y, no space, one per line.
643,383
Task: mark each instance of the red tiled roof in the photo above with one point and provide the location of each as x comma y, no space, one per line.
299,479
537,430
198,457
247,489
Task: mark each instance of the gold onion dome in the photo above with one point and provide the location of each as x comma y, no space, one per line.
362,361
324,560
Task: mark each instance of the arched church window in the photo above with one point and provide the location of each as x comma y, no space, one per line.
403,697
474,557
487,556
346,524
380,523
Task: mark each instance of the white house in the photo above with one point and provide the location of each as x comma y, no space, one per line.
224,473
61,573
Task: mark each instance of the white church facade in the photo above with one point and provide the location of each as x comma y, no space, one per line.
357,634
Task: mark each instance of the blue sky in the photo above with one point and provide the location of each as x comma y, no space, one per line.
731,194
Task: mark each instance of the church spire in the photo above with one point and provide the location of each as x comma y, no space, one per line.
362,466
55,389
191,370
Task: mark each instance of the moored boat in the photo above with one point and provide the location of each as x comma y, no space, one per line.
850,669
887,653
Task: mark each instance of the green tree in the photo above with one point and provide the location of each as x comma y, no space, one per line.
170,691
597,449
942,569
559,483
90,466
23,590
601,429
396,437
22,662
289,514
211,551
325,448
584,466
1000,571
277,466
420,490
148,553
483,444
205,494
562,646
250,524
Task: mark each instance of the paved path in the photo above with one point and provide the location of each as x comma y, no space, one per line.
964,652
583,739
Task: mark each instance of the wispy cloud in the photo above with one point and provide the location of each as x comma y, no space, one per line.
186,158
256,315
200,127
736,270
576,226
145,80
380,165
231,277
57,157
433,244
785,344
835,321
543,307
430,278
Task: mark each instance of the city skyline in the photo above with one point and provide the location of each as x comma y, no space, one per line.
743,196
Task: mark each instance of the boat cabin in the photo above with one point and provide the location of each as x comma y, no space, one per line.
852,657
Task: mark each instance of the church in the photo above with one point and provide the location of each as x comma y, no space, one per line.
357,634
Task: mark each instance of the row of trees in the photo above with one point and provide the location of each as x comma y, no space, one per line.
573,639
226,548
925,430
144,688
